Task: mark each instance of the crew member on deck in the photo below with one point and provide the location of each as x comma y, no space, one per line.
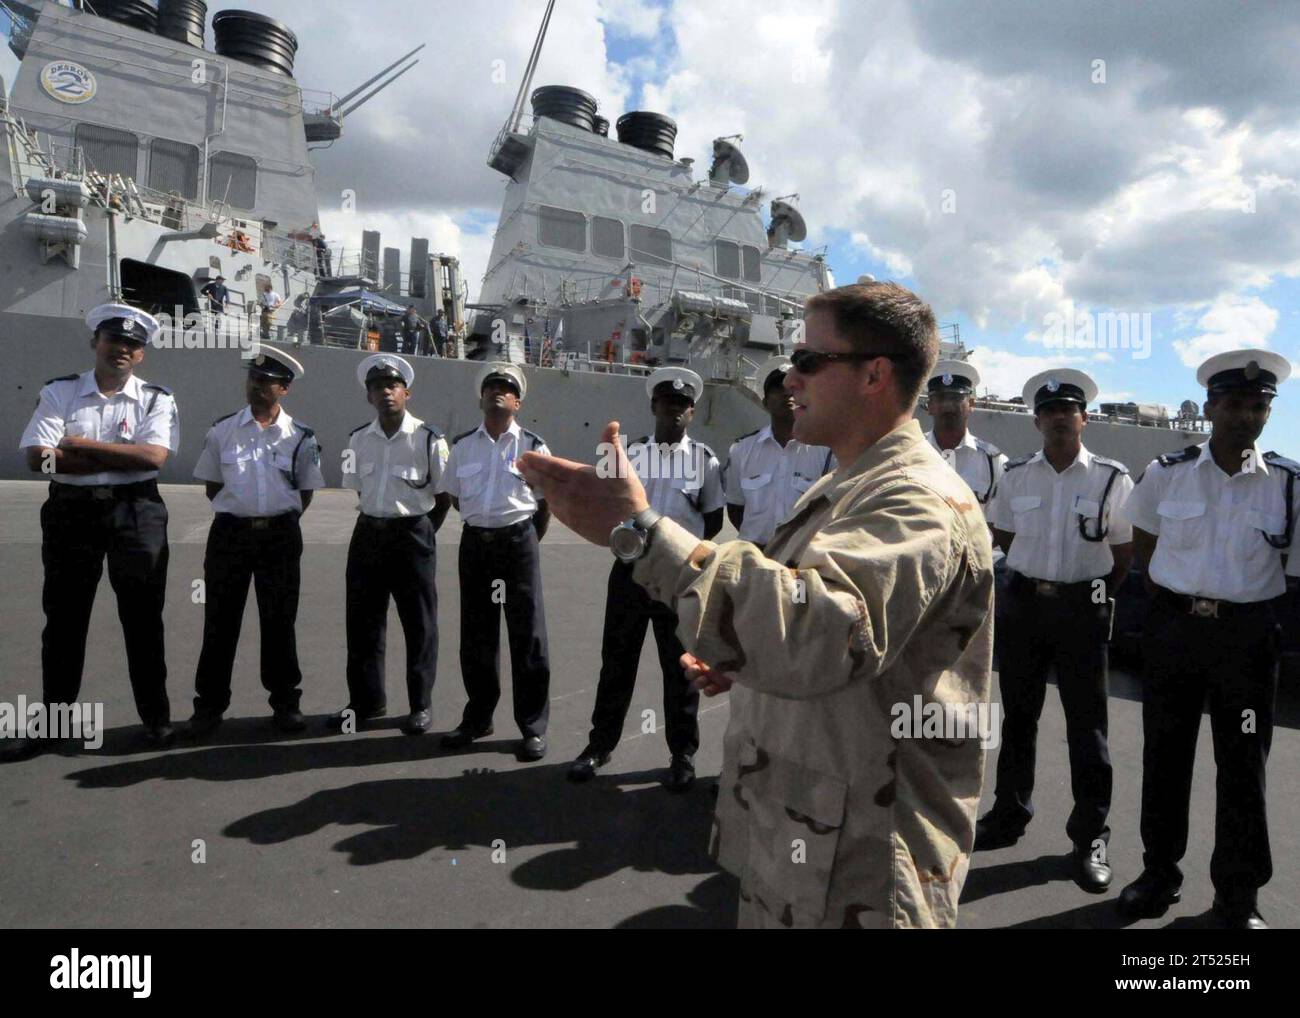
500,563
683,481
951,402
395,464
101,438
260,467
1210,527
768,469
1055,515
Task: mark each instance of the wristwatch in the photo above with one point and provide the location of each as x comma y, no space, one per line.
629,540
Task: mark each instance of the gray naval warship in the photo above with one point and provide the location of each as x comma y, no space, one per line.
141,165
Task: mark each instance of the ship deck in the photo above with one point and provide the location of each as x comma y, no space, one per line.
381,829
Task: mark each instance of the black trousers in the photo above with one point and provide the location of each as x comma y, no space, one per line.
1232,662
396,558
268,552
1036,633
509,555
77,533
628,610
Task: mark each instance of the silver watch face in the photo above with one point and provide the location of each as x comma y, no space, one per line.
626,542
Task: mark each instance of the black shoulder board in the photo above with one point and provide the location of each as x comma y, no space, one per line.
160,388
432,431
1115,464
226,417
1182,456
534,437
358,428
1275,459
747,434
463,434
304,429
1012,464
63,378
643,440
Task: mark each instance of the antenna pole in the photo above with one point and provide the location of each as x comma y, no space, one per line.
517,111
356,91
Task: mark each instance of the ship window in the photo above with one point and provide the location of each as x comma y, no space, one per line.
753,273
652,245
174,166
606,237
157,290
108,151
561,228
233,179
726,259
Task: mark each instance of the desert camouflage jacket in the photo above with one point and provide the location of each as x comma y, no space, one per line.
874,597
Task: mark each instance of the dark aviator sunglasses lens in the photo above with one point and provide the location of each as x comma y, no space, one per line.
805,361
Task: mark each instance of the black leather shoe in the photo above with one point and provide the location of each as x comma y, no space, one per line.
417,723
1091,874
159,736
289,720
584,768
681,774
1148,897
1232,917
358,717
532,748
994,832
203,724
461,737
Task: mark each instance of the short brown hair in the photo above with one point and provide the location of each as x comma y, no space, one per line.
889,318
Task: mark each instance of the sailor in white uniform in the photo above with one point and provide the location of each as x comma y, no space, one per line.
768,470
260,467
1056,516
100,437
504,521
395,463
1210,525
951,400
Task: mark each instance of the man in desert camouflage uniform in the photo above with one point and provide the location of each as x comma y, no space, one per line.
875,594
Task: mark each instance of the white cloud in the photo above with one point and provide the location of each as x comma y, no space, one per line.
1230,323
1003,373
633,18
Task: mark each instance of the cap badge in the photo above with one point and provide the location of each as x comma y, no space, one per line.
678,384
1053,385
947,379
1251,370
260,359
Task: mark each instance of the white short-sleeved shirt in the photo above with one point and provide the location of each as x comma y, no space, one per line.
398,476
1044,510
977,462
768,479
262,470
683,481
1210,526
139,414
482,475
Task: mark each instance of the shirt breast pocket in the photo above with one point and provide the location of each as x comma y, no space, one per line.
1182,523
1028,515
81,425
802,484
1261,524
470,478
412,475
235,464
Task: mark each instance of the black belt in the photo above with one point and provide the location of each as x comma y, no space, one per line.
390,521
1022,584
258,522
498,533
104,492
1211,608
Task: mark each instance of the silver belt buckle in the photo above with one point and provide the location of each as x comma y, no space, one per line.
1204,608
260,522
1047,588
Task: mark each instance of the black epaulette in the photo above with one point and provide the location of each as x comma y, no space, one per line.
643,440
1106,461
161,388
747,434
310,432
158,390
535,437
225,417
431,430
987,448
358,428
1274,459
63,378
463,434
1012,464
1182,456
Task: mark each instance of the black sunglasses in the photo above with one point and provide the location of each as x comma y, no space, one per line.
809,362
